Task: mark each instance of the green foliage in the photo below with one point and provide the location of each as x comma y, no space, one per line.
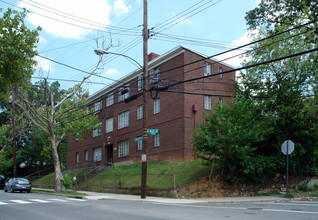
6,162
275,102
17,44
229,134
67,181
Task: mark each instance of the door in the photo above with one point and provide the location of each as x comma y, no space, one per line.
109,154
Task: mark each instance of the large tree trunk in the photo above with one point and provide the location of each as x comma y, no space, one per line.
59,186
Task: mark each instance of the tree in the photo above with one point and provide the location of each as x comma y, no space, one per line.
231,134
274,102
59,118
17,50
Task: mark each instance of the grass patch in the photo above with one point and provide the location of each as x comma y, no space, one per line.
49,180
160,175
289,196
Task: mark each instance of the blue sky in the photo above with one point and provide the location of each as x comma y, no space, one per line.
72,29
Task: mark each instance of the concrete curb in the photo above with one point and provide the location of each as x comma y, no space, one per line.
149,199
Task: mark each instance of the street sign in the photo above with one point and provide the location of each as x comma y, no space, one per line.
144,158
153,131
138,139
288,147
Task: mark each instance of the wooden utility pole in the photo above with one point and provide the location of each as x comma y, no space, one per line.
14,136
145,105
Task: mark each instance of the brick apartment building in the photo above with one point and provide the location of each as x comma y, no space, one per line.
173,112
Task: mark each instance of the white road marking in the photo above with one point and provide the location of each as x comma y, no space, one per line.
20,201
73,199
3,203
39,200
58,200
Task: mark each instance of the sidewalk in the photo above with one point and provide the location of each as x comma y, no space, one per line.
151,199
127,197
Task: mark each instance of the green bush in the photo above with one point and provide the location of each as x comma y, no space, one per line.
67,181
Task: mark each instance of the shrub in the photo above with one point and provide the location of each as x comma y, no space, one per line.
67,181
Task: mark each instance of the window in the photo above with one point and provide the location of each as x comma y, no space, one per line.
123,148
157,140
123,120
109,125
97,106
110,99
97,131
220,71
154,75
97,154
221,101
207,69
139,144
156,106
139,112
77,157
207,102
86,155
122,97
140,82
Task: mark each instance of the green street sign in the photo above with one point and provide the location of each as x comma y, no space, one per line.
138,139
153,131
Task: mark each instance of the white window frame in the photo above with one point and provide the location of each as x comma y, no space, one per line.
157,140
109,99
85,155
109,125
97,106
98,130
220,71
77,157
139,144
207,69
123,148
97,152
140,112
154,75
123,120
121,97
221,101
156,106
140,82
207,102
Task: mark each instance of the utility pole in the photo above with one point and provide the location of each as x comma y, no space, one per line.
145,105
14,135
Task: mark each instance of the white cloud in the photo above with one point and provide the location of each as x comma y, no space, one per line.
43,65
182,20
84,14
237,58
111,72
42,39
120,7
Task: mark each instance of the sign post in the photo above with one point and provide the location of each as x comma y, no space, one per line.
287,148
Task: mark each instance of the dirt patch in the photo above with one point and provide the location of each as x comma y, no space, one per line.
219,187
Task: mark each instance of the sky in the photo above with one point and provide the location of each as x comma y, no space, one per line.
72,29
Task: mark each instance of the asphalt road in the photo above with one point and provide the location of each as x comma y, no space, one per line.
36,206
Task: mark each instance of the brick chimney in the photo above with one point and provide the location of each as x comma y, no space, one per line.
152,56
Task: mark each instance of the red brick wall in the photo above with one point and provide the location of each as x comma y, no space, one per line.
175,121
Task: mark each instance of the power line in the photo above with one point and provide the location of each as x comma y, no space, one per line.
247,67
264,46
68,80
245,45
74,18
